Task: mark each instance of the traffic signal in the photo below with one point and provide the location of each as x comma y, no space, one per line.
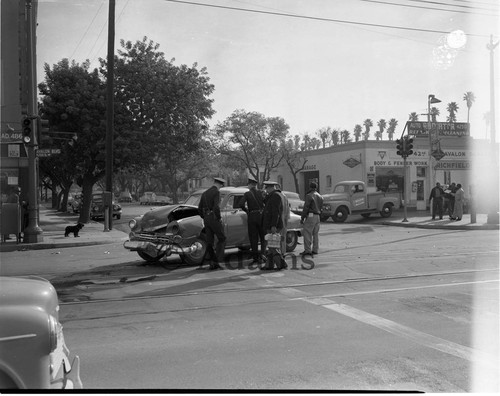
27,129
400,146
43,132
409,146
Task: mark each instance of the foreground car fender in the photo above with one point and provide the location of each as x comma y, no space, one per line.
33,353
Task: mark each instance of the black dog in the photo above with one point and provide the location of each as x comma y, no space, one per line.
73,229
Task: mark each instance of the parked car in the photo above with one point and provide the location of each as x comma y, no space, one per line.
33,353
148,198
125,196
296,204
163,199
178,229
97,208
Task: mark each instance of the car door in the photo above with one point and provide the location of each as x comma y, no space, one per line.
358,197
234,220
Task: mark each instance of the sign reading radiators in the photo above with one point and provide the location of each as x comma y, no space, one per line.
417,128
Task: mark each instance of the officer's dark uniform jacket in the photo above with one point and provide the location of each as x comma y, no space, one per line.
272,216
210,203
254,201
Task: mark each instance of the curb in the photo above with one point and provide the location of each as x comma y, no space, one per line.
465,227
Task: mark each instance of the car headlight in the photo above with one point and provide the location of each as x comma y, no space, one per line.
327,208
132,224
53,330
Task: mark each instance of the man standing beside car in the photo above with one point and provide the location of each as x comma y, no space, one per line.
311,220
253,204
209,210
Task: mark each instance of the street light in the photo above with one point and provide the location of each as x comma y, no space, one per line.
431,99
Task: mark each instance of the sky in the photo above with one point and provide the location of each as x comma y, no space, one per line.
315,63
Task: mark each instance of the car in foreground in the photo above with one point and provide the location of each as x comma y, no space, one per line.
33,353
178,229
97,208
296,204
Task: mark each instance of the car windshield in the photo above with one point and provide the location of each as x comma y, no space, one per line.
194,199
291,195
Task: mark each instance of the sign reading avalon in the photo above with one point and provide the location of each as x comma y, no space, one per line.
418,128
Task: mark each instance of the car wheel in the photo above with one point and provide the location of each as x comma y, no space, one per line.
148,258
365,215
386,210
291,241
323,218
196,257
340,215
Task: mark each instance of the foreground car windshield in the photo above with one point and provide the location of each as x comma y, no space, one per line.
195,199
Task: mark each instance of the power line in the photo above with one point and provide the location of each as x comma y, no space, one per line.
318,18
86,31
431,8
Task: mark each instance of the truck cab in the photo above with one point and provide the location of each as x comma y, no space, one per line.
351,197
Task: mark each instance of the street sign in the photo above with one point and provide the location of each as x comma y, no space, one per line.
417,128
42,153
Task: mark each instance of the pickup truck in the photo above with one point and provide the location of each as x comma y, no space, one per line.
350,197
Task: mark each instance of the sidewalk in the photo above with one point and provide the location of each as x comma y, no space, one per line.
53,224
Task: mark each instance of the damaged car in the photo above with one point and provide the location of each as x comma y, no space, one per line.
178,229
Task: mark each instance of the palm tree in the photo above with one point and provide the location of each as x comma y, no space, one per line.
392,127
368,124
296,141
324,134
357,132
345,136
335,137
434,113
470,98
315,143
452,109
413,116
381,128
307,142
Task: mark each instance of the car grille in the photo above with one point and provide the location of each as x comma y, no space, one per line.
157,238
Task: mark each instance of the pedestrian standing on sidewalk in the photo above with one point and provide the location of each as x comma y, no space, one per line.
458,210
437,195
209,210
252,204
451,199
311,220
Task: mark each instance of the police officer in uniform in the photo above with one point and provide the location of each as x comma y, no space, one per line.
272,222
253,204
209,210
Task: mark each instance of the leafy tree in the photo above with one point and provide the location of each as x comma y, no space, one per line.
367,124
392,127
413,116
295,160
381,128
296,142
452,109
253,140
357,132
168,107
469,98
434,113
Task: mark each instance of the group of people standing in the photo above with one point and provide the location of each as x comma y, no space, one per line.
455,201
267,214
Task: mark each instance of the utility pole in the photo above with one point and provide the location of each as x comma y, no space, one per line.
493,213
32,232
110,117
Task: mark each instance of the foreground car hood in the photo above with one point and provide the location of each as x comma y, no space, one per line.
35,292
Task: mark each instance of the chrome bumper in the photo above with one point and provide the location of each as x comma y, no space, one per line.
154,249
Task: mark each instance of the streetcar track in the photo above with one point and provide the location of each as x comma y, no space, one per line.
274,286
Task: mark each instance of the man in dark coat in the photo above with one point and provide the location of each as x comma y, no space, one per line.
272,222
209,210
253,204
437,195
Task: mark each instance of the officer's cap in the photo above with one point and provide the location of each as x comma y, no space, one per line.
252,180
219,180
270,183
